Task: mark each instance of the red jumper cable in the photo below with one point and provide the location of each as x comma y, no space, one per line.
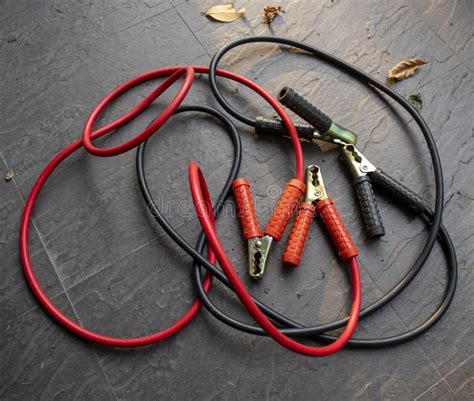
86,141
341,239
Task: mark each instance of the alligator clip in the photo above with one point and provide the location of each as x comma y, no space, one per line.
358,164
259,243
317,201
364,173
315,191
328,131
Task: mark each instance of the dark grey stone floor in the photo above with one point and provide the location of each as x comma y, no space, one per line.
107,264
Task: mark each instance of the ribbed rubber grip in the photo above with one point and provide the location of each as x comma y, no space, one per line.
274,126
246,208
397,191
287,204
299,233
337,230
304,109
369,210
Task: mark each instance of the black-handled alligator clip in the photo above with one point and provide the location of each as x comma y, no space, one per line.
364,173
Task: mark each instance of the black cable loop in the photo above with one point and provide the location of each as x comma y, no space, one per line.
432,219
295,328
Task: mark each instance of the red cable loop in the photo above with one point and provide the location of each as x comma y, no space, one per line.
153,127
202,203
86,142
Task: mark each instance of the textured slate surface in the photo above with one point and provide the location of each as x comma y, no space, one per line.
104,261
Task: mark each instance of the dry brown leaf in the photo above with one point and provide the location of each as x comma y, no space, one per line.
8,174
271,12
224,13
404,69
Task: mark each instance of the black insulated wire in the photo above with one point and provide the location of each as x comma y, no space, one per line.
432,219
294,329
366,79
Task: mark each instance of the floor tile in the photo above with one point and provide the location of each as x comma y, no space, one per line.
39,361
452,21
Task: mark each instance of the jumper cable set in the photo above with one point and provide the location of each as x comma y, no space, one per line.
305,196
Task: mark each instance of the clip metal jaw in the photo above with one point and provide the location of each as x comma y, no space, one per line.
358,164
258,251
315,190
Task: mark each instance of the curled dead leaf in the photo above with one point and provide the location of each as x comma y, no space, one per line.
271,12
224,13
8,174
404,69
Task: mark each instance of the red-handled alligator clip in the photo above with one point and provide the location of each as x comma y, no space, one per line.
259,243
317,201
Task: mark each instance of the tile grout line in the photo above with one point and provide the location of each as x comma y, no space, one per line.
108,266
48,254
105,374
37,306
433,386
443,378
458,366
189,29
441,39
111,35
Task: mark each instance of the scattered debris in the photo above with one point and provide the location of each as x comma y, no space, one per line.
325,146
8,174
266,290
323,274
58,9
271,12
416,101
404,69
224,13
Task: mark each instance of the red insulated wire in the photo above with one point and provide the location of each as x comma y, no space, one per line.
51,308
88,136
202,203
171,108
152,128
